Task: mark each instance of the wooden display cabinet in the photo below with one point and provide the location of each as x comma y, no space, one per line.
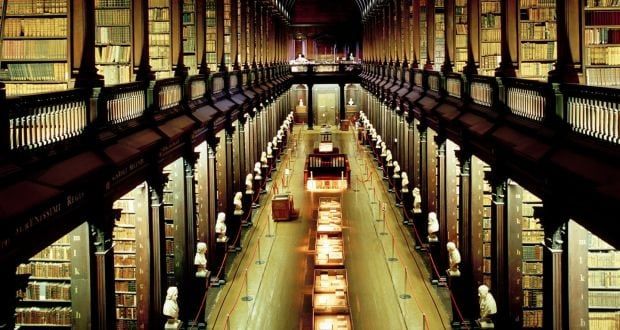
329,251
282,208
329,322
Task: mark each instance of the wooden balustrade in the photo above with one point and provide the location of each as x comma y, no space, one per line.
418,78
39,120
197,87
454,85
168,93
121,103
593,111
434,81
526,98
482,90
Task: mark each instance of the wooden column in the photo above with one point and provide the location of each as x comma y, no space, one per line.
82,38
576,284
430,35
569,65
158,247
310,107
418,149
210,201
229,187
176,44
499,267
192,296
201,37
140,44
424,174
243,33
449,17
406,31
441,207
473,37
466,239
415,36
511,316
252,36
234,51
555,279
242,153
510,40
102,267
219,43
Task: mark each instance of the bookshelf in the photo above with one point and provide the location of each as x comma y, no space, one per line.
127,231
48,300
189,36
537,37
440,35
227,34
603,284
532,258
173,213
487,227
460,39
423,33
490,36
602,42
159,38
113,36
211,35
35,45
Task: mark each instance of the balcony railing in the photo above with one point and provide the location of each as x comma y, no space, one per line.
123,102
482,90
593,111
197,87
168,93
526,98
454,85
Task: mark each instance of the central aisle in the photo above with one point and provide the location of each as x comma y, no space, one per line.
281,288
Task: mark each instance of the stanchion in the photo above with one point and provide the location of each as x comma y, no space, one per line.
228,321
393,258
269,233
259,261
405,295
247,290
424,322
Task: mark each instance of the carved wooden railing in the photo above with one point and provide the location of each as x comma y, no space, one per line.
593,111
483,91
526,98
197,87
168,93
418,77
121,103
434,81
454,85
39,120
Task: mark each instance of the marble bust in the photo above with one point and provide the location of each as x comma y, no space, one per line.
488,307
433,227
388,157
383,149
396,170
263,159
238,203
301,102
274,142
269,150
404,182
249,189
200,260
454,258
351,101
257,171
171,308
220,227
417,200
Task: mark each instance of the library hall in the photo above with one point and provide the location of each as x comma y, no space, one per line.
309,164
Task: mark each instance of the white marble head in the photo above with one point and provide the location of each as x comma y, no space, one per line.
433,223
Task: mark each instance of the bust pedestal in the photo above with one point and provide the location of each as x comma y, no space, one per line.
276,156
420,224
247,205
173,324
234,227
407,203
350,110
433,246
396,188
382,165
257,188
301,114
456,284
266,169
485,324
220,252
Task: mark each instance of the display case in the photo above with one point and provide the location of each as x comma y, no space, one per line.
333,322
329,251
490,36
329,221
282,207
537,37
35,46
601,41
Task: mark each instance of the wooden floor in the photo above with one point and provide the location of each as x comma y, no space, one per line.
274,268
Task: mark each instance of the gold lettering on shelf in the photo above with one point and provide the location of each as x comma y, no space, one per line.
123,172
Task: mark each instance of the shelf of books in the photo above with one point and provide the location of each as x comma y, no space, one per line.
211,35
460,38
34,46
131,259
538,38
490,36
173,212
227,34
532,258
113,40
159,38
440,35
189,36
454,195
487,225
602,42
423,33
53,274
603,284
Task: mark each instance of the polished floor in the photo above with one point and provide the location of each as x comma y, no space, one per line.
270,281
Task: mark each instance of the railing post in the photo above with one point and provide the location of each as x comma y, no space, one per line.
556,112
5,137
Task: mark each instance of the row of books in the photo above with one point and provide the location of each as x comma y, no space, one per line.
124,260
125,247
601,36
24,7
188,18
35,27
537,14
490,48
112,17
24,89
491,35
125,300
125,286
189,46
124,233
603,55
158,3
126,205
45,269
159,14
533,252
46,291
159,52
491,7
604,299
113,54
533,268
602,3
532,298
491,21
112,3
489,62
538,31
530,223
609,259
126,313
604,320
112,35
159,27
595,243
532,319
602,18
45,316
537,3
34,49
125,273
159,40
604,278
532,282
538,51
54,252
